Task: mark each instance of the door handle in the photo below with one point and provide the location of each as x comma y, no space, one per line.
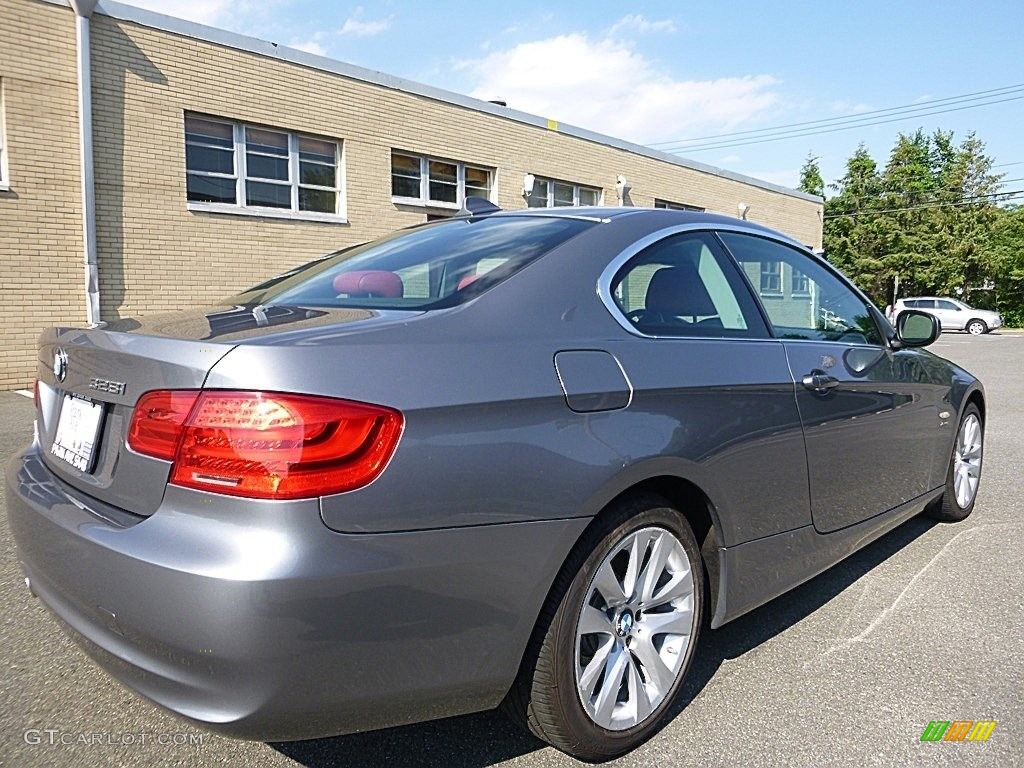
819,381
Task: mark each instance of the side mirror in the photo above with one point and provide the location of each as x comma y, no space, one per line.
916,329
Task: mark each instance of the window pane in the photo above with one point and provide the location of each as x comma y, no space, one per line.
315,149
401,260
799,282
405,165
315,173
405,187
588,196
539,196
771,277
271,142
563,194
264,167
828,311
209,159
405,176
209,132
268,195
443,172
443,193
684,286
319,200
210,189
478,178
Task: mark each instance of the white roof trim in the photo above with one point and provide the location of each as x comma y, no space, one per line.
283,53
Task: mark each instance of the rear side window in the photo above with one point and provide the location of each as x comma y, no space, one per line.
685,286
429,267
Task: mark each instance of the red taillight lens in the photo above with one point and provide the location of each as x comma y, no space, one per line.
275,446
35,394
159,420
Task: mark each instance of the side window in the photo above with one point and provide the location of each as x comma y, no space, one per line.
686,286
813,303
942,304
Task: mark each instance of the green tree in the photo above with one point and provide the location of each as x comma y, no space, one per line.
921,225
810,177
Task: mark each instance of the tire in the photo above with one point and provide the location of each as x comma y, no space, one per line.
564,693
976,327
964,474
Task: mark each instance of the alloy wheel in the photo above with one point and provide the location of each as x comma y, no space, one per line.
967,461
634,629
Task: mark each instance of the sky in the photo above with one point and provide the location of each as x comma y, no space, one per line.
671,74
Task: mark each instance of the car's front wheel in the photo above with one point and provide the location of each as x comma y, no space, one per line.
964,473
977,327
615,641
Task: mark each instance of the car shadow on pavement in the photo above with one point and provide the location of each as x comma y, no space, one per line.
474,741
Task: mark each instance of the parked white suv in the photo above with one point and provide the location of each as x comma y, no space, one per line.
953,314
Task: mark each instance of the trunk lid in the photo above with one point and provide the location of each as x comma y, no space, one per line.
97,375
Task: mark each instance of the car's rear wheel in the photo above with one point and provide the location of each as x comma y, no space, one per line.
616,639
977,327
964,473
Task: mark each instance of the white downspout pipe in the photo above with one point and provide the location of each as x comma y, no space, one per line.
83,11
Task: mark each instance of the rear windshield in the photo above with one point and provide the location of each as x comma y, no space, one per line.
429,267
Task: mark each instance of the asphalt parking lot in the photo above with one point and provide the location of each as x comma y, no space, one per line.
925,624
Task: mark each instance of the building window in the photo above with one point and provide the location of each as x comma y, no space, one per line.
798,283
420,180
548,193
4,179
771,277
669,205
260,169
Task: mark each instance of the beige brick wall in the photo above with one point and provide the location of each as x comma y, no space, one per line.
156,255
41,273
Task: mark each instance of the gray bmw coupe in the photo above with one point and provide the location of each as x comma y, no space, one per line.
512,457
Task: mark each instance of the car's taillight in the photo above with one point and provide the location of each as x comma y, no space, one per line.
159,420
267,445
35,394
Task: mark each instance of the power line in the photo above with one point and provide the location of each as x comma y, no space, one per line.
855,115
805,133
969,201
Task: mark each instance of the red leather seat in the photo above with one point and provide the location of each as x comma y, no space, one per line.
369,283
467,280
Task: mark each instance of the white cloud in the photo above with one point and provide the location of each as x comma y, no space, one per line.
639,23
313,44
606,86
356,26
309,46
846,108
210,12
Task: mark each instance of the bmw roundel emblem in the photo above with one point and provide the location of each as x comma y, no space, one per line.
60,364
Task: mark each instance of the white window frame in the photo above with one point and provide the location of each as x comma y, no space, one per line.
5,179
670,206
424,201
241,206
575,192
762,291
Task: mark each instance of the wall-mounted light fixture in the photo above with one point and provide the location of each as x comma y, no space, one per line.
744,209
528,181
622,187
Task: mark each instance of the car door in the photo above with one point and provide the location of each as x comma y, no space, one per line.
950,314
869,414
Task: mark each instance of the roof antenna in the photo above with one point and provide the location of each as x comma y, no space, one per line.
478,206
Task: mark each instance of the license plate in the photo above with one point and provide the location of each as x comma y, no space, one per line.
78,430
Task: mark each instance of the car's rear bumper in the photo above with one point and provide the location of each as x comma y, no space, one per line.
258,621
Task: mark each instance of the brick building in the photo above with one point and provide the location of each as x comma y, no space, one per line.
212,161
